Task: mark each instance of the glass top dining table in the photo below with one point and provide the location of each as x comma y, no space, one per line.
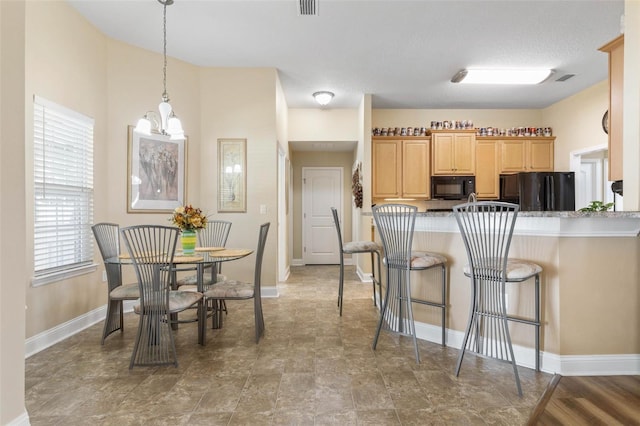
203,258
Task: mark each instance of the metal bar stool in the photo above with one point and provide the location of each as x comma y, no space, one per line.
487,228
395,224
355,247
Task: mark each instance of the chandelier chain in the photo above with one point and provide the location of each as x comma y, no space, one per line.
165,96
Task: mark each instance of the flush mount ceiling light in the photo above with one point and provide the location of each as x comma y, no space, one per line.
168,124
323,98
502,76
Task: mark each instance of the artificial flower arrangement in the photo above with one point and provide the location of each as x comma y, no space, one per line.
189,218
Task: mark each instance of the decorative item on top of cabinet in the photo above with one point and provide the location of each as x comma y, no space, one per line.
615,49
453,152
526,155
400,167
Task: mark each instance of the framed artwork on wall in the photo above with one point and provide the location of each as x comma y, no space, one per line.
232,175
156,173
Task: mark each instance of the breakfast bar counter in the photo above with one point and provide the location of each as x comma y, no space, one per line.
590,288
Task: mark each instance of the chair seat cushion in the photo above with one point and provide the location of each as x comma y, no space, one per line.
193,280
426,259
230,289
421,260
125,292
361,247
517,269
178,301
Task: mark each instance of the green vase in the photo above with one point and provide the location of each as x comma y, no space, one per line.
188,239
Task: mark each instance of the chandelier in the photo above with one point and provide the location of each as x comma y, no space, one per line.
168,124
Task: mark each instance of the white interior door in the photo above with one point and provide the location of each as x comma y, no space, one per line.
321,190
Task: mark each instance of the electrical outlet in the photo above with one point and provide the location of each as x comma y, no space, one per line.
104,276
263,209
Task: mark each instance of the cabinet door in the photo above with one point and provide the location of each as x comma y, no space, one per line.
387,168
464,154
442,152
540,155
415,171
615,49
513,156
488,169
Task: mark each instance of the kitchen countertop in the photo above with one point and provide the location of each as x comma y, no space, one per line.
546,224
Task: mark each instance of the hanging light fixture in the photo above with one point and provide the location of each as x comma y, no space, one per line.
323,97
168,124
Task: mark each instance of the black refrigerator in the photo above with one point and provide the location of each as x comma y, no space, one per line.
547,191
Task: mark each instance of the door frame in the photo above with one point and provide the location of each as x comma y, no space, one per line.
305,194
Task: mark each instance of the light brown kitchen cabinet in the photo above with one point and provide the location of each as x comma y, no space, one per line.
400,167
487,169
453,152
615,49
526,155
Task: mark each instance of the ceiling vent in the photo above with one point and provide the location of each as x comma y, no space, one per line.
307,7
565,77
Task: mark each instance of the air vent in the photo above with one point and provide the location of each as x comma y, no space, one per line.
307,8
565,77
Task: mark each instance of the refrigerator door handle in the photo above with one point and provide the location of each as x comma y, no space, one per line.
550,193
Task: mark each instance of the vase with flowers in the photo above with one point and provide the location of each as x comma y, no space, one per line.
189,219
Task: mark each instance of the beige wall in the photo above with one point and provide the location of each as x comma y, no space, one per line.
241,103
480,117
300,159
65,62
325,125
13,251
577,122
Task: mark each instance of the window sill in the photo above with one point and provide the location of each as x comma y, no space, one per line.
63,275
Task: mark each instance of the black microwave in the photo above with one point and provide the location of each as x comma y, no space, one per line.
452,187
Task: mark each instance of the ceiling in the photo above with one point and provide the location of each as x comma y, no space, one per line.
403,53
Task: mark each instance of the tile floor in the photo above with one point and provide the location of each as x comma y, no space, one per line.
313,367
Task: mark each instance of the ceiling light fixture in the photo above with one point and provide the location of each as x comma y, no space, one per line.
168,124
502,76
323,97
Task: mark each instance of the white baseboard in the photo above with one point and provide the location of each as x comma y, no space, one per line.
269,291
21,420
566,365
297,262
62,331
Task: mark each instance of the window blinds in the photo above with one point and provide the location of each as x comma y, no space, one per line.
63,188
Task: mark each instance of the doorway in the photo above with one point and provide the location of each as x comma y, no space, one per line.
321,190
591,167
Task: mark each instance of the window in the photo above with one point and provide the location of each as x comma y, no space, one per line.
63,191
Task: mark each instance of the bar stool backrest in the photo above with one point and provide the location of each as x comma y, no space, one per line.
395,224
487,228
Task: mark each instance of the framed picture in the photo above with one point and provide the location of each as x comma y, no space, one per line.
156,173
232,175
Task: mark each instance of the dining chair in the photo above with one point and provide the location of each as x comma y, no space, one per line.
395,223
486,228
152,248
239,290
355,247
214,235
107,236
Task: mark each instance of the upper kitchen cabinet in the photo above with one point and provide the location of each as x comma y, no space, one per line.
400,168
615,49
453,152
487,169
526,155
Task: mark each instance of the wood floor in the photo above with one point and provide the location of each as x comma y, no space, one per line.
593,400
